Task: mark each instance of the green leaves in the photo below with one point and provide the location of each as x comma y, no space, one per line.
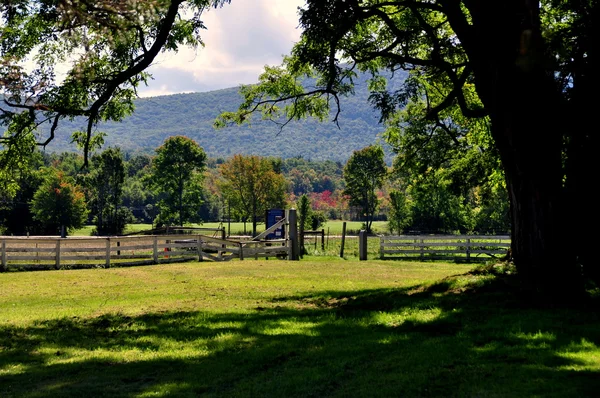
106,185
363,174
177,175
279,96
15,161
59,202
251,186
80,138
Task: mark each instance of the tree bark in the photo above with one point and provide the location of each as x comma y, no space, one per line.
581,160
528,118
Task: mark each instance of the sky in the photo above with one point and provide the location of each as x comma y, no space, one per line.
241,38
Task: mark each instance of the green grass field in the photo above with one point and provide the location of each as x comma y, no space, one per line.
333,227
326,328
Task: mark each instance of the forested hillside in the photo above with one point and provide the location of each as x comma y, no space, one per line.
193,115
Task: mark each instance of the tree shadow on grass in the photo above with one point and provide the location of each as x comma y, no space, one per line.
445,339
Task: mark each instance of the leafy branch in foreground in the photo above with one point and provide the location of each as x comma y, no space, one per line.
280,97
88,58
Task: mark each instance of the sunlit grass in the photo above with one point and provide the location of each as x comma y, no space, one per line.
335,328
331,227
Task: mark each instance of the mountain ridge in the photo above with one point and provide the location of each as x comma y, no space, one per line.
193,114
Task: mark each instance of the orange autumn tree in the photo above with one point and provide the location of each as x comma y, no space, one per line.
252,186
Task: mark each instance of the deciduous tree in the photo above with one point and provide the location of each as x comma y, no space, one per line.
304,217
177,174
59,203
106,184
399,217
252,186
19,179
364,174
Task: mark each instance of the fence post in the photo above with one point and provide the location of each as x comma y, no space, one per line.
57,261
323,240
293,234
4,266
223,246
422,249
362,245
343,239
107,262
468,250
381,248
241,251
155,250
199,247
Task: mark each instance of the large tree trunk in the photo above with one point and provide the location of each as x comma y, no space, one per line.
527,119
530,144
581,160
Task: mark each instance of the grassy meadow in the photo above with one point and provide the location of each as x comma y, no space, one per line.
332,227
320,327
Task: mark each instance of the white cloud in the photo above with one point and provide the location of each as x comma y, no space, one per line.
241,38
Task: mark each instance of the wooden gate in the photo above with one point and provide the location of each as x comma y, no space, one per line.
227,249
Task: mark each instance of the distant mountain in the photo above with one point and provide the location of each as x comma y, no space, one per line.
192,115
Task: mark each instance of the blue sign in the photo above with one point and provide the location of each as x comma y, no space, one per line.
273,217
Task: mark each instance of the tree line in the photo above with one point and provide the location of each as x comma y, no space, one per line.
49,194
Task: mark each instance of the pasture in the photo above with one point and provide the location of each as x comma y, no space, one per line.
333,227
326,328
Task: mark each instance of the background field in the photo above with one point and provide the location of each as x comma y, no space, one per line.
327,328
333,227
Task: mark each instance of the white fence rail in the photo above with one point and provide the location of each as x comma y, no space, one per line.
83,252
435,247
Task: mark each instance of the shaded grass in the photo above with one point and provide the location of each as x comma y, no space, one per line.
283,329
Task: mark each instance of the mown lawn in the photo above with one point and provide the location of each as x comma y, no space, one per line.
332,227
326,328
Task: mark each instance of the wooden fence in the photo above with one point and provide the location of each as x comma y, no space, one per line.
83,252
224,250
444,247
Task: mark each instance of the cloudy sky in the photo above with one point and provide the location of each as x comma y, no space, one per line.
241,38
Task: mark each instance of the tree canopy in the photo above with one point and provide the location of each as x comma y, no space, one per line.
252,186
106,192
364,174
58,203
177,174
